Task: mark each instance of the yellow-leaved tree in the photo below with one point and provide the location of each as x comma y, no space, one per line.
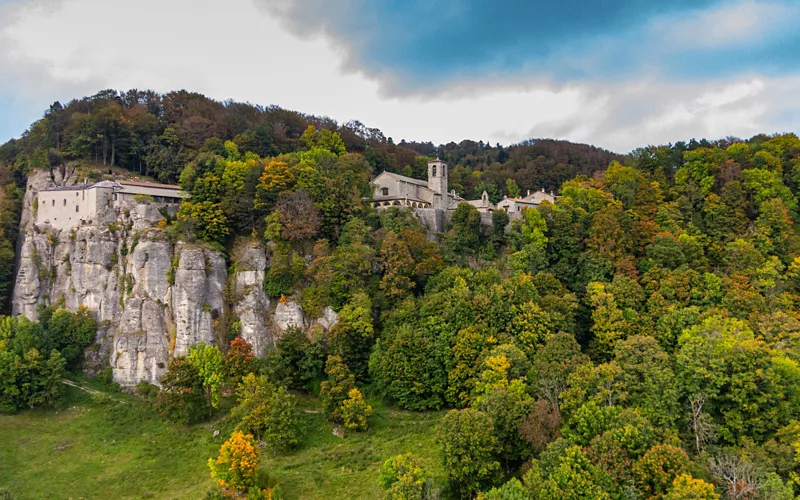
235,467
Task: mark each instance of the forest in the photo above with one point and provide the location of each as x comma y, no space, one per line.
638,338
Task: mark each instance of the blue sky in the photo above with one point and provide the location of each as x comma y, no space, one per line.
616,73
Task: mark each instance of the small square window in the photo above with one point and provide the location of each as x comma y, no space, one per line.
77,208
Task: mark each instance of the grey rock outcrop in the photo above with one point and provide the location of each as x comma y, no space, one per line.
153,299
251,304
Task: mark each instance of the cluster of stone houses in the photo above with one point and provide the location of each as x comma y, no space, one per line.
394,190
64,207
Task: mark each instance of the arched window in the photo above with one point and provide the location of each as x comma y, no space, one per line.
434,171
385,191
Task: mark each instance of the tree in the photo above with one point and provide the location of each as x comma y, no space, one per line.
512,188
268,413
467,442
298,216
541,426
206,219
239,360
355,411
336,388
648,379
183,398
749,388
507,406
209,362
657,469
685,487
552,365
573,476
511,490
403,479
353,335
408,365
235,467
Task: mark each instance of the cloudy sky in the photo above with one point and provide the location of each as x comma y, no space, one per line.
617,73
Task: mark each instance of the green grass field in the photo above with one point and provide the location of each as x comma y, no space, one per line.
113,450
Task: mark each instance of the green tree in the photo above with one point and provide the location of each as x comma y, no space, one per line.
467,442
353,335
210,365
648,379
336,388
268,413
183,398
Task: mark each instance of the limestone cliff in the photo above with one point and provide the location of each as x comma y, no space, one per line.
153,298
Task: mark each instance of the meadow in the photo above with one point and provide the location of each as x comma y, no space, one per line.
118,447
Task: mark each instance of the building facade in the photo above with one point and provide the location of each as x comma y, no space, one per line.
514,206
395,190
68,206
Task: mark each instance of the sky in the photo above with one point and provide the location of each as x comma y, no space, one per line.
618,74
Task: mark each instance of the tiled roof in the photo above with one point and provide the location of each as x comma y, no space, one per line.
407,179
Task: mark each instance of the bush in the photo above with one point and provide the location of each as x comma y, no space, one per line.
235,467
147,390
355,411
182,398
267,413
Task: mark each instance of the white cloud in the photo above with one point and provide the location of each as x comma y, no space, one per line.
233,50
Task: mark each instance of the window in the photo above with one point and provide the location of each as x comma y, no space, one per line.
54,202
434,171
77,208
114,196
385,191
65,202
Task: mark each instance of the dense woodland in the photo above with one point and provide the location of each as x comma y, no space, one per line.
639,338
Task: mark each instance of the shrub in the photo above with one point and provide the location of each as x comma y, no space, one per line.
235,467
355,411
268,413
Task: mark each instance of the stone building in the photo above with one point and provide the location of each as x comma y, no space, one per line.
64,207
514,206
395,190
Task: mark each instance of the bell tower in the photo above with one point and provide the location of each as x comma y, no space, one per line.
437,181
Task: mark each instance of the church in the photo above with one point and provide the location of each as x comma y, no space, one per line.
394,190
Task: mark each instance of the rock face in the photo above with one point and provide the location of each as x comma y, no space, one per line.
153,299
252,306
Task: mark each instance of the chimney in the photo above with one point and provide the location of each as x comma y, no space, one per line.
543,190
529,192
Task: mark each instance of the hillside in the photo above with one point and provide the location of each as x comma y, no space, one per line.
634,335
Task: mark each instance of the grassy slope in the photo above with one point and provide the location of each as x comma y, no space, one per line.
125,451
